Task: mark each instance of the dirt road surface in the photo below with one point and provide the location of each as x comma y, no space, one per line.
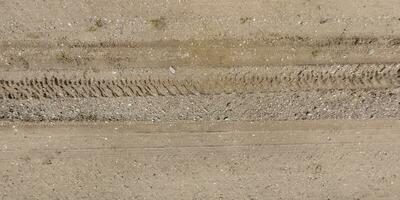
208,160
199,60
199,99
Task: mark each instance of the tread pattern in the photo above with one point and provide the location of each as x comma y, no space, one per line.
78,84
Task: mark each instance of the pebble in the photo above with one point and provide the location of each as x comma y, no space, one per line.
371,51
172,70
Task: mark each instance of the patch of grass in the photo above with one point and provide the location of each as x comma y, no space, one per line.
92,29
62,41
98,23
243,20
63,57
158,23
315,53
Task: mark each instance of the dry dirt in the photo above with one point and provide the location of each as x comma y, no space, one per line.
204,160
199,60
209,62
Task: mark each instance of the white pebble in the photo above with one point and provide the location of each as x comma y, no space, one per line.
172,70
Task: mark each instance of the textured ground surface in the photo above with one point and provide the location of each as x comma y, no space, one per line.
173,60
224,160
70,70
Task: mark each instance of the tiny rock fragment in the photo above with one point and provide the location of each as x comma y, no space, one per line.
172,70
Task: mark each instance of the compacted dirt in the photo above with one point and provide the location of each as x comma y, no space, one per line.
204,160
203,62
185,60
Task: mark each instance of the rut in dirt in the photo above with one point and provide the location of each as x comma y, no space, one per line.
125,83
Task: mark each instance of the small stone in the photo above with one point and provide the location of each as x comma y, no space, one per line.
371,51
172,70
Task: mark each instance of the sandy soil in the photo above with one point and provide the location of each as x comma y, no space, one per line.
81,80
208,160
172,55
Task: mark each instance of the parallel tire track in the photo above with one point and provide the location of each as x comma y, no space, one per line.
89,84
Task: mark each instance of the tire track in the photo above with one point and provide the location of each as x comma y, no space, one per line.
88,84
